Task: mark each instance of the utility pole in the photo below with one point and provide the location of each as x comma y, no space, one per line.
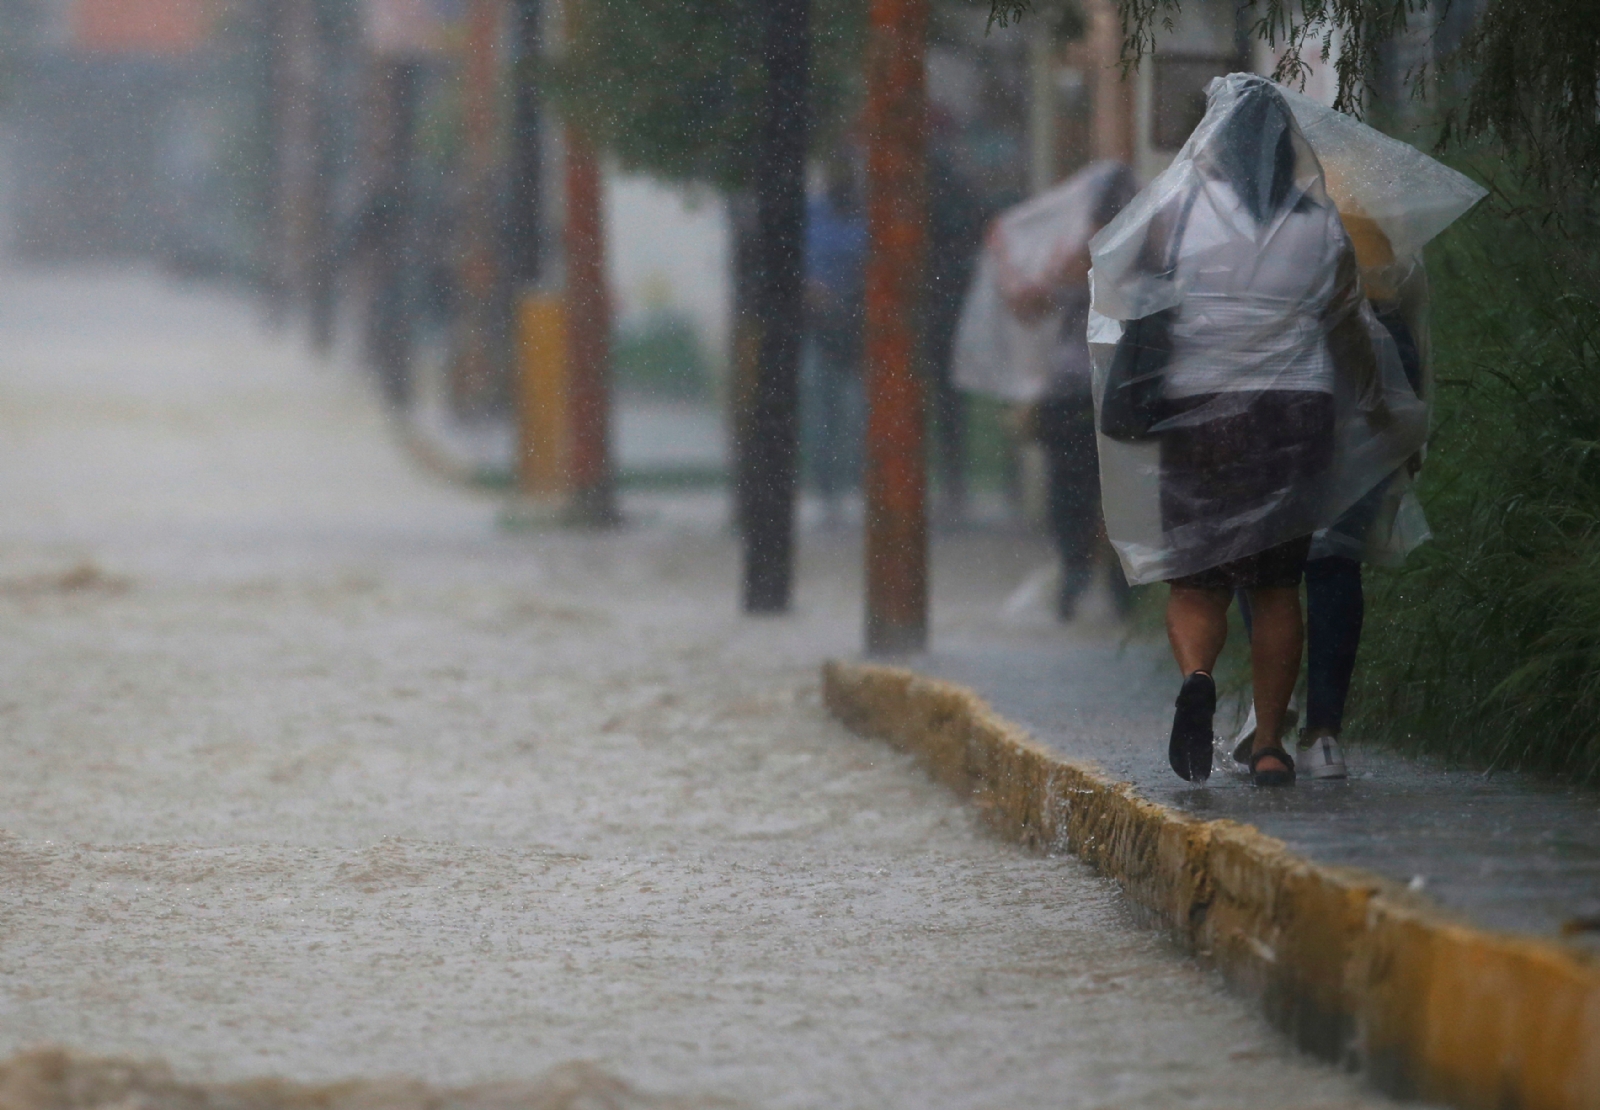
288,72
474,377
322,262
896,479
544,420
768,466
390,226
587,325
588,338
401,37
524,225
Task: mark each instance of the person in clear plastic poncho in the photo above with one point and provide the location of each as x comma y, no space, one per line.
1246,397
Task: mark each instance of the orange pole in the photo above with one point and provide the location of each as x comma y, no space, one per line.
896,118
588,336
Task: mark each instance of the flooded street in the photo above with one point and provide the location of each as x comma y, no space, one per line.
313,772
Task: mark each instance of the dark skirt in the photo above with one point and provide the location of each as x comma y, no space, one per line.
1249,479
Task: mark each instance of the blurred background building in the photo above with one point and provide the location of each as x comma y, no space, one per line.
390,178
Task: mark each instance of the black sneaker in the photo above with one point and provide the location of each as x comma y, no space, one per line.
1189,750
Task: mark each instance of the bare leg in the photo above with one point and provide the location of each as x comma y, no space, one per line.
1275,643
1197,627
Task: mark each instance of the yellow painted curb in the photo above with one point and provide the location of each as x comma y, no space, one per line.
1354,967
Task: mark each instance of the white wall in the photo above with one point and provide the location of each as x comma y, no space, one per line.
669,248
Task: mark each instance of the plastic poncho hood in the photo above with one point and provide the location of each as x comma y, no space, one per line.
1283,400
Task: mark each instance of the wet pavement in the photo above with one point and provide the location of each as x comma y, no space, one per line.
312,772
1511,851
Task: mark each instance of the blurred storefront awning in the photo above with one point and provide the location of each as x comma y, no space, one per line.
159,27
410,28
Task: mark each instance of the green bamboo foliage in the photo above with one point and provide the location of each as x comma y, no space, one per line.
1486,646
675,89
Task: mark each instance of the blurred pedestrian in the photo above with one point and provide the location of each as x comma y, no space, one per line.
833,412
377,236
956,218
1246,361
1063,418
1023,338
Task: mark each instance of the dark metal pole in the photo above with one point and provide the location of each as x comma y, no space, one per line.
897,227
475,362
296,80
277,21
769,462
524,200
746,348
322,255
389,216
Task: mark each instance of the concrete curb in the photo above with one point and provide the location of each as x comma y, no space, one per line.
1355,968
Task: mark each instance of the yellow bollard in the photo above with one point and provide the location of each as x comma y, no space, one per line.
544,448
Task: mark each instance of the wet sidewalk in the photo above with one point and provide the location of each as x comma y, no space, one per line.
1510,851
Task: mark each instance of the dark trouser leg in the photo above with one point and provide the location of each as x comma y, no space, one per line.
1074,495
1335,608
1121,592
1073,529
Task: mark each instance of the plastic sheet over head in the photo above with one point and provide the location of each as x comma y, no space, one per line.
1277,400
1394,199
996,352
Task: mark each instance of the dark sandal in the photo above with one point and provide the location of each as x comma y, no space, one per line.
1189,749
1272,778
1241,750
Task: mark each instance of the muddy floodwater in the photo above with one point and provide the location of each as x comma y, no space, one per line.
313,772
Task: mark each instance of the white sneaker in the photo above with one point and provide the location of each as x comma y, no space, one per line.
1320,758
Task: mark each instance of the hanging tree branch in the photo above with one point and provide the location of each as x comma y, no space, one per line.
1348,33
1530,69
1534,68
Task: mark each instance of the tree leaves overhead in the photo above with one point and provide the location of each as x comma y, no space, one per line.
675,89
1348,33
1534,68
1531,68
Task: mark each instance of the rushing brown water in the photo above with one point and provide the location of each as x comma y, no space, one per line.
312,773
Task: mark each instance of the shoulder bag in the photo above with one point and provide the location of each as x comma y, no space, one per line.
1133,403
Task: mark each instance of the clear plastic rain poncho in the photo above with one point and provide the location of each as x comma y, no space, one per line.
1393,200
1279,400
1000,354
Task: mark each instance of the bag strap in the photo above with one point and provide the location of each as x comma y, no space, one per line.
1170,263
